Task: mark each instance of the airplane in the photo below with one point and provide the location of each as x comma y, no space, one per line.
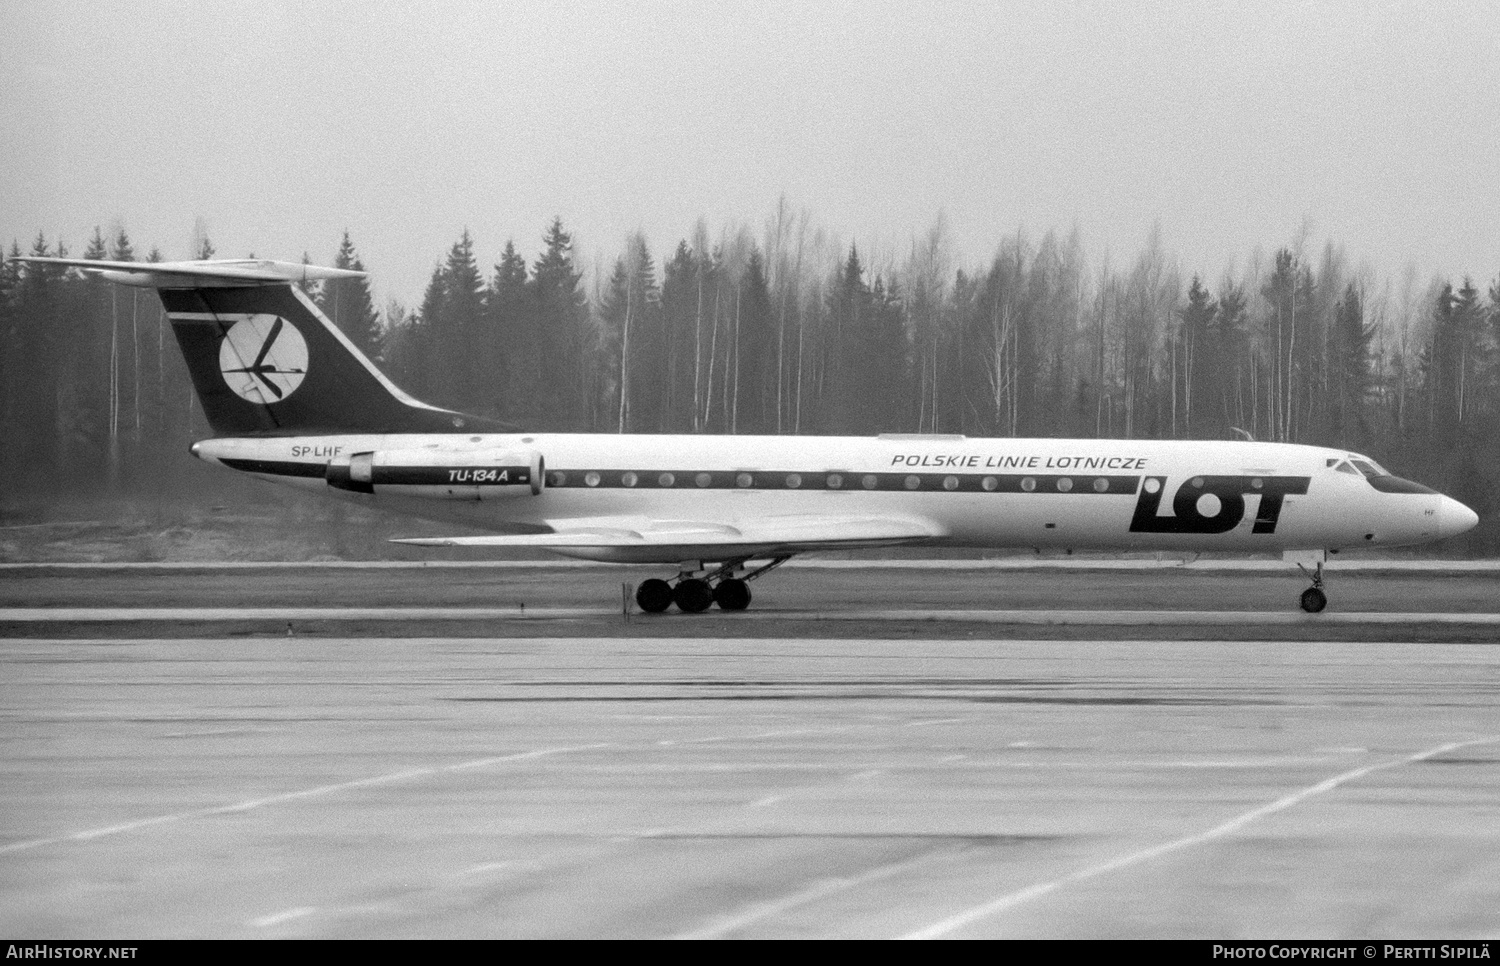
291,400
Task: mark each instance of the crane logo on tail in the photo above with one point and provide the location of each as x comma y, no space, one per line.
263,358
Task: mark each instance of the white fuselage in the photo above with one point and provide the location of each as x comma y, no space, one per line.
1025,493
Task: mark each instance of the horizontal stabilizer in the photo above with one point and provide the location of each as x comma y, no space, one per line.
212,273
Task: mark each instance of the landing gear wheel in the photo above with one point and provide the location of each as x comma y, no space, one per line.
654,596
1314,600
732,594
693,595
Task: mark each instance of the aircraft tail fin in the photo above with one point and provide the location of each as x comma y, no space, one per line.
265,361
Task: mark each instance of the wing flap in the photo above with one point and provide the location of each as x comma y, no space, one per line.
687,538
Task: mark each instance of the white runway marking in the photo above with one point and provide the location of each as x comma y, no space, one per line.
254,803
390,778
813,893
265,922
942,928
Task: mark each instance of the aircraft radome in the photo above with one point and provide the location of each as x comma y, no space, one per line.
290,399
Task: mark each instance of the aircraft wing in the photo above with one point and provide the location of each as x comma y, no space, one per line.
645,540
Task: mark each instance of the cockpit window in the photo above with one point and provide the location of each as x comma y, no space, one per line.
1343,467
1381,479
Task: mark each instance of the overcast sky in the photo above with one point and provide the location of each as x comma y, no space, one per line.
1230,124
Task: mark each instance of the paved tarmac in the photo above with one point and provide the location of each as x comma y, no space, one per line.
1140,599
724,787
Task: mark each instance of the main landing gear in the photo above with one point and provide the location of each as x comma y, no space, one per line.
693,594
1313,598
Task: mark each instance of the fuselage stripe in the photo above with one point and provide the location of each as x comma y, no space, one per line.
840,481
829,481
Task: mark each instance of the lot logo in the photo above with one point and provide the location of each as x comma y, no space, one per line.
263,359
1214,504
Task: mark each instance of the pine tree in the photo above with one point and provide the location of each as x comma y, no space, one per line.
349,305
452,346
89,398
1194,339
560,314
865,391
43,378
11,363
1349,353
609,405
1440,365
414,352
755,353
642,344
514,358
1226,368
681,297
887,387
403,348
848,308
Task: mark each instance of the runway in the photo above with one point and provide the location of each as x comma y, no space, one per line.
1243,600
1086,618
556,787
751,775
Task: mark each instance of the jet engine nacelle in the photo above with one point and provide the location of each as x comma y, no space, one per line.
440,474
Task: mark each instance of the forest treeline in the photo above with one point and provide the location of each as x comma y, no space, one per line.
783,331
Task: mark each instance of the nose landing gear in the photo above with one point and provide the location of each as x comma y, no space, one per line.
1313,599
693,594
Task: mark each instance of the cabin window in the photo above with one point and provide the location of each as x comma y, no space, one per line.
629,479
592,479
1028,484
743,480
1101,485
868,481
835,481
989,483
703,479
557,479
950,482
912,482
1064,485
666,479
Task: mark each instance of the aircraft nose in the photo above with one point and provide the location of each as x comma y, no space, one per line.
1454,518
